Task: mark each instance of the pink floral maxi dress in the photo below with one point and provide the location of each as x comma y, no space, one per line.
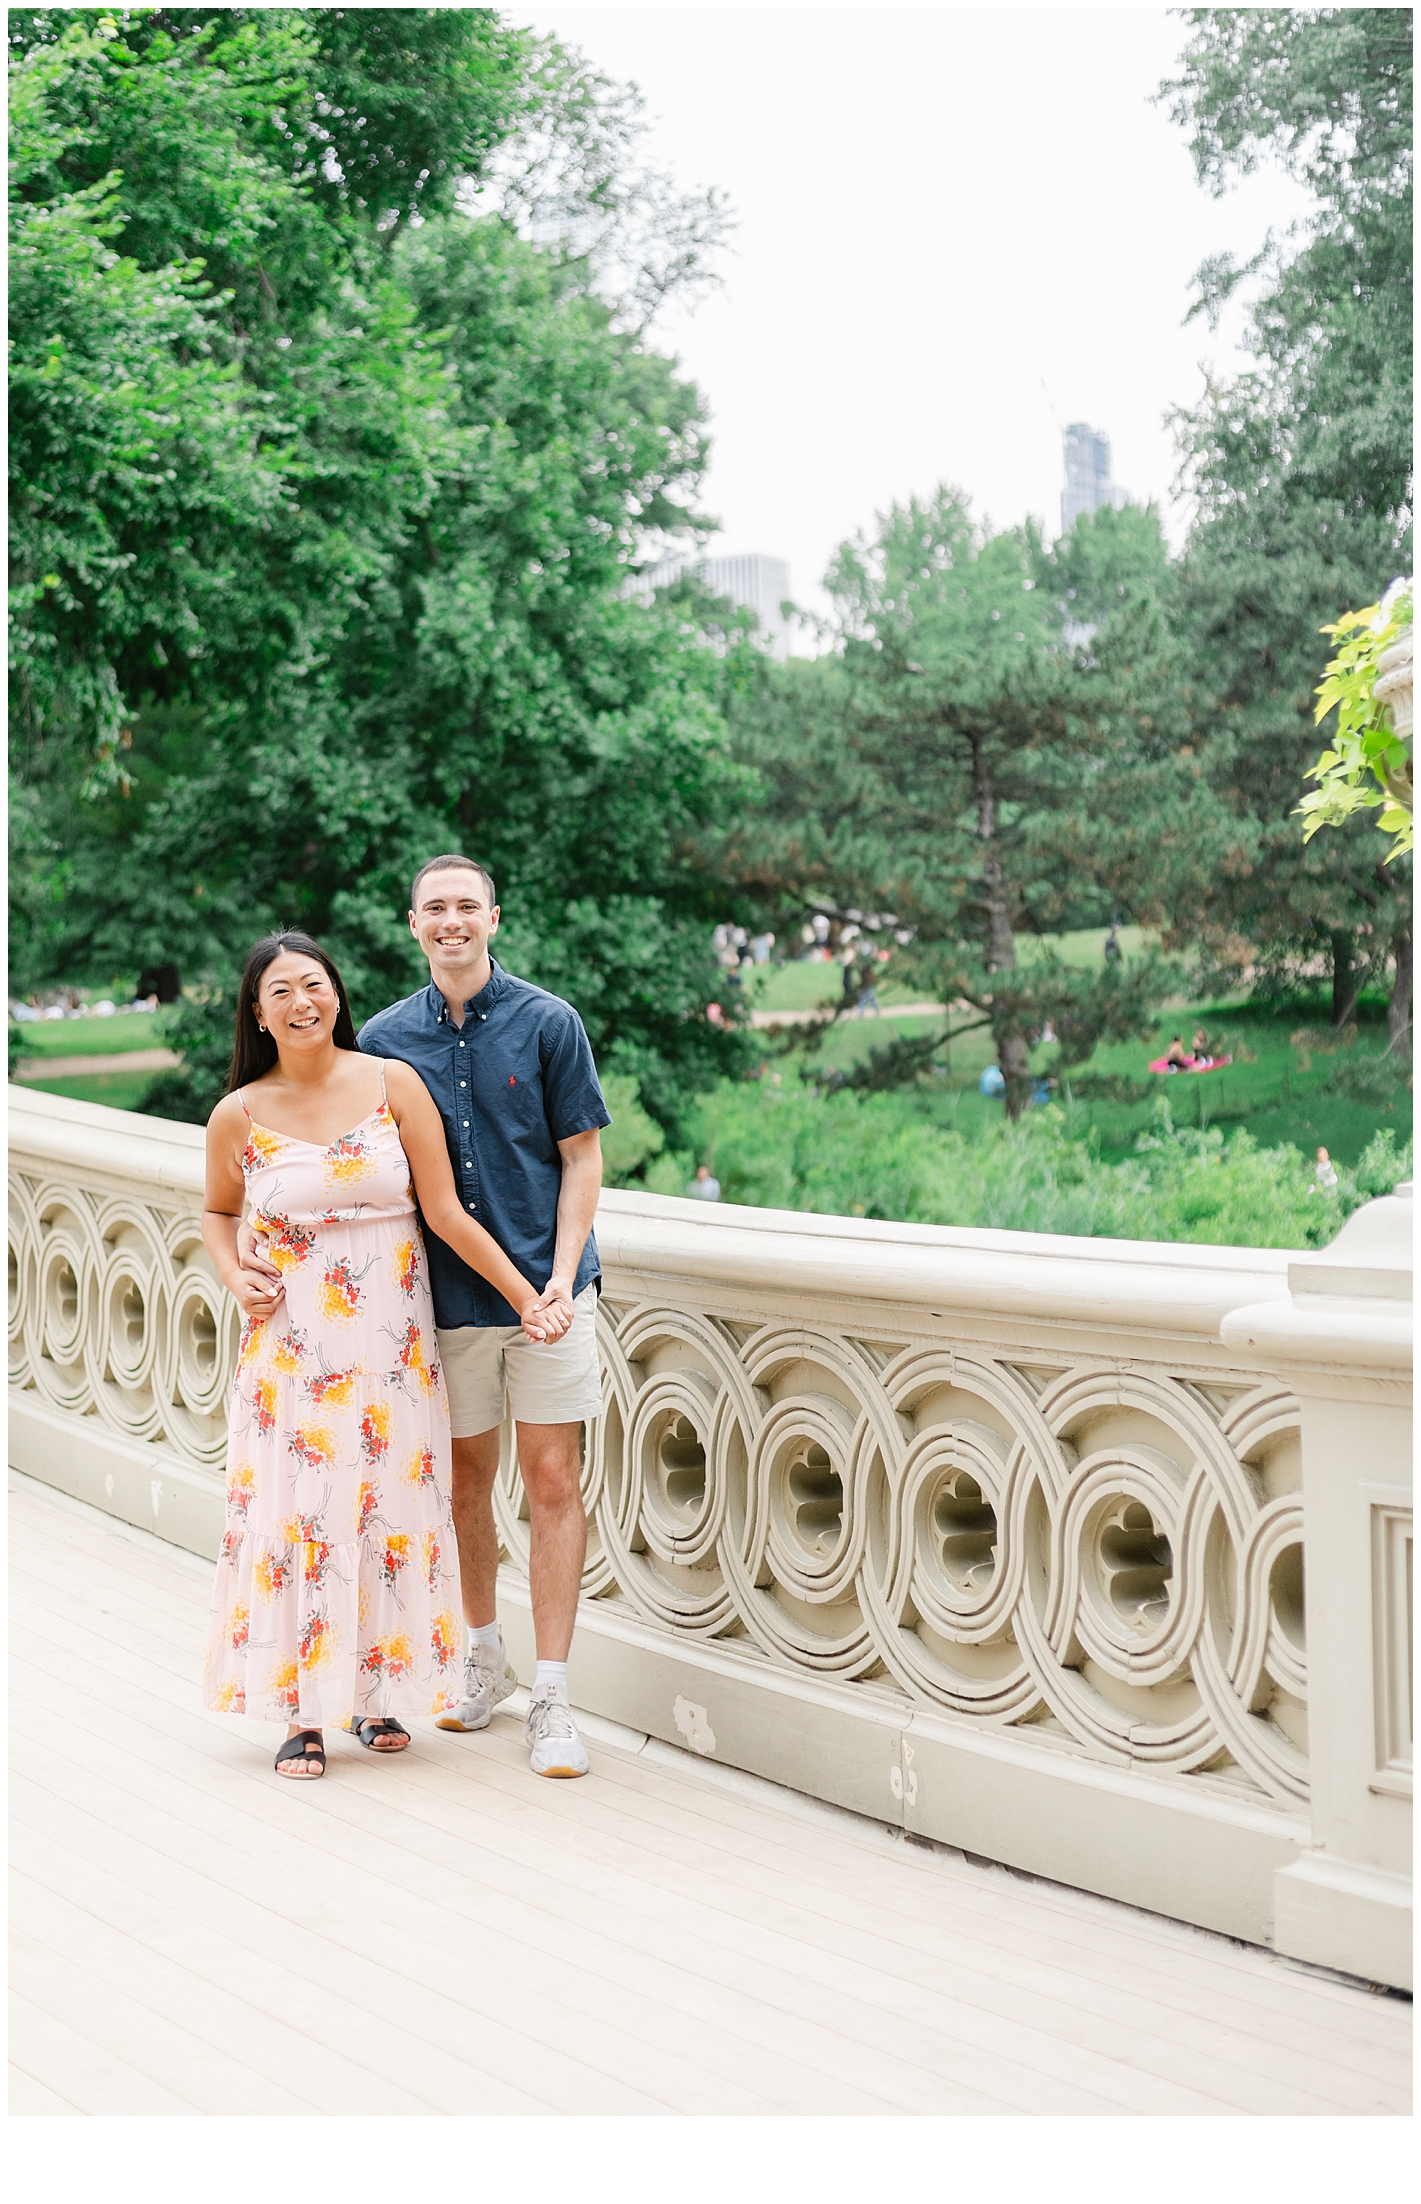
337,1590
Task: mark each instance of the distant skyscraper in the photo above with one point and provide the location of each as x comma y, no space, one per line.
758,583
1088,483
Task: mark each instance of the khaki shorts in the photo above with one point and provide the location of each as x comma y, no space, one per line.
489,1368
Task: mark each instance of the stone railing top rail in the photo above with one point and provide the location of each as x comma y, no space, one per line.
1140,1284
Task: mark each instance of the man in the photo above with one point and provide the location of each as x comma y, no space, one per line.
512,1072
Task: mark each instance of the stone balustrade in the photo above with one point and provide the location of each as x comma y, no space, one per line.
1087,1556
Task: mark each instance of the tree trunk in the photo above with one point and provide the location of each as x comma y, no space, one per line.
1345,980
1398,1010
1013,1056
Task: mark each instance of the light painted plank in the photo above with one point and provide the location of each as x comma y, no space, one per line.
1367,2099
590,2029
166,1665
471,1931
93,2079
219,1958
125,1558
127,2026
698,1897
317,1983
1184,1964
1176,2048
778,1908
29,2099
1134,1990
1177,1958
54,1530
902,2029
295,2065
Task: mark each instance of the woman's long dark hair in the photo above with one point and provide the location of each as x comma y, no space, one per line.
253,1051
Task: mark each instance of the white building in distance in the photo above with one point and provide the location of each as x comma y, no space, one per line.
758,583
1088,483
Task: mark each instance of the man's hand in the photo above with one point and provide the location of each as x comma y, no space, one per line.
552,1310
260,1288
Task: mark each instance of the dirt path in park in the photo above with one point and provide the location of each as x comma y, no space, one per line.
32,1071
822,1017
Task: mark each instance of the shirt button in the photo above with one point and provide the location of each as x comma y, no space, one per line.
466,1124
463,1082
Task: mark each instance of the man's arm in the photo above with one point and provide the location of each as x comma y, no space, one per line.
577,1212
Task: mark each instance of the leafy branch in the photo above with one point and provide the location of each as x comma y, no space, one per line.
1368,767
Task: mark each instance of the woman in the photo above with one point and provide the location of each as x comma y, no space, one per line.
337,1592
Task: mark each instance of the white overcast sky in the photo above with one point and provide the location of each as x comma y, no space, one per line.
940,211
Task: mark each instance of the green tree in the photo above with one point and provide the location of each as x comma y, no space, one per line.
399,619
1301,471
985,764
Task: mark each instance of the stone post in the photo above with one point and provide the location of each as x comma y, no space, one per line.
1346,1902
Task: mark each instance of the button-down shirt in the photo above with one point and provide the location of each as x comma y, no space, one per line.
510,1082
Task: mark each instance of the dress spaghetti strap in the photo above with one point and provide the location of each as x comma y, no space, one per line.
241,1097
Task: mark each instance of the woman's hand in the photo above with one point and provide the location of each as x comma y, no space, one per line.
534,1322
254,1295
257,1272
553,1309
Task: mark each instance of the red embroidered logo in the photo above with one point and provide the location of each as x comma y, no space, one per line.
511,1080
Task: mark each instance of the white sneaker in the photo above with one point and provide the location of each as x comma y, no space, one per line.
552,1733
488,1680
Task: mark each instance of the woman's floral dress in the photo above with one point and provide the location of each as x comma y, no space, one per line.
337,1590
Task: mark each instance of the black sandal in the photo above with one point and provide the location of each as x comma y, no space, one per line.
377,1728
295,1749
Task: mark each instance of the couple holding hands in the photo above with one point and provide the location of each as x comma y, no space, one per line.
357,1578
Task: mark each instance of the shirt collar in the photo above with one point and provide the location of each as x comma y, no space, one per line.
478,1006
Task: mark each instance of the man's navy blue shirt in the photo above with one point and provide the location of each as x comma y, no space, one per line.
511,1082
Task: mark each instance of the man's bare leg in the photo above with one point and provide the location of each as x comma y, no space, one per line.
549,1457
475,1464
550,1461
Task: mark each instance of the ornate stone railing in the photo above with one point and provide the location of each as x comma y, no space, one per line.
1001,1536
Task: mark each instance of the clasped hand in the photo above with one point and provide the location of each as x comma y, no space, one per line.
259,1291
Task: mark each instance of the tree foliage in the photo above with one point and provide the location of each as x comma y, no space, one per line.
1301,469
984,758
1368,767
327,487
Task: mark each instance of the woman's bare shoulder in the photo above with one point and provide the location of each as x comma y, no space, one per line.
402,1081
226,1133
228,1117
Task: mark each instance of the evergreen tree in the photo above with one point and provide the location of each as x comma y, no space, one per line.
985,759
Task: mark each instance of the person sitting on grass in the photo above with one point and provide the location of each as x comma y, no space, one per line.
1177,1056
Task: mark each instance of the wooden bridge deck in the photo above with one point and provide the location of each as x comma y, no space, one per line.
443,1934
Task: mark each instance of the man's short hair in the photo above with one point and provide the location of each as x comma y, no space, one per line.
447,864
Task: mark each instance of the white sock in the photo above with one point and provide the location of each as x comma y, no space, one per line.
550,1681
487,1634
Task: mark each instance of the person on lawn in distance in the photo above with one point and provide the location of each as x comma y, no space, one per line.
511,1071
338,1581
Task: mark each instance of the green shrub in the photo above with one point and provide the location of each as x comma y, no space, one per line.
785,1147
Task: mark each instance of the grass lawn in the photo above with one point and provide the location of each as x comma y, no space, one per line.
1275,1086
806,986
92,1036
117,1090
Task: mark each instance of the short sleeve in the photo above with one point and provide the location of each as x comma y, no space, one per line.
572,1093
